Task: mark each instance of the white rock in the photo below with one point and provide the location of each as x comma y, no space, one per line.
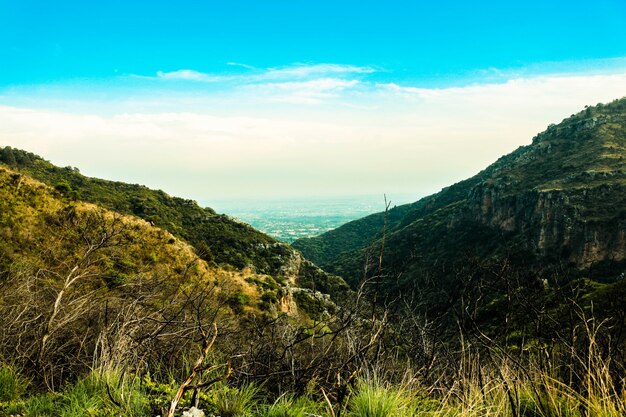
193,412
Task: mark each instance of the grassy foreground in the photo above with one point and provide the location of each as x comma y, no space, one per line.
475,392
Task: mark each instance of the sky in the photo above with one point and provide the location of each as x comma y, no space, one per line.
244,100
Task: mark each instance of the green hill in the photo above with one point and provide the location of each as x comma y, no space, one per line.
217,238
560,198
544,223
77,278
79,281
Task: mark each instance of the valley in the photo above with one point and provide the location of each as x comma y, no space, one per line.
312,208
289,220
512,279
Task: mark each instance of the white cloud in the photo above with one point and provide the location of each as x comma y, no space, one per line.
561,87
265,138
297,72
304,92
297,84
305,71
189,75
239,64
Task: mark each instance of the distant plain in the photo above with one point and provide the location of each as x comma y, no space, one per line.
291,219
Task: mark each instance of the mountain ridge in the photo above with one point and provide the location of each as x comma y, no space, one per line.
218,239
541,198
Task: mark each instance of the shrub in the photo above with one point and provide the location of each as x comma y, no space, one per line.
238,300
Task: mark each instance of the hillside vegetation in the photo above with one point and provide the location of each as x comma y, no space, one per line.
502,295
520,255
87,292
551,211
544,200
217,238
76,277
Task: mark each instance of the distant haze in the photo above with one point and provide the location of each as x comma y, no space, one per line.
234,100
292,218
368,139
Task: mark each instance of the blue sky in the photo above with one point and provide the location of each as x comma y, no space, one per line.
423,42
219,99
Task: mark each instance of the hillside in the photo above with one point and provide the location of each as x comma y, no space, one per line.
78,281
562,197
217,238
77,278
538,233
104,313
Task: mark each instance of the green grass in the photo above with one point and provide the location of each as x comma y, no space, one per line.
39,405
289,406
105,393
499,393
235,402
374,399
12,384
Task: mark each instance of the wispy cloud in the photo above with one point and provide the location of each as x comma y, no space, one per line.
239,64
313,91
188,75
315,70
539,90
298,83
256,75
314,84
333,128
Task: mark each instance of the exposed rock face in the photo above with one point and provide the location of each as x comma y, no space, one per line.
291,265
575,213
286,303
552,222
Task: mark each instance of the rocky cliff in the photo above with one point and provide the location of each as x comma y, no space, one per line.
558,203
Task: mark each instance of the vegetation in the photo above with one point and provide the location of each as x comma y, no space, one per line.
543,222
374,400
217,238
85,290
577,166
233,402
503,295
12,384
477,391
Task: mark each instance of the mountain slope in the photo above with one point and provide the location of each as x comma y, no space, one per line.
557,205
76,279
218,239
82,286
